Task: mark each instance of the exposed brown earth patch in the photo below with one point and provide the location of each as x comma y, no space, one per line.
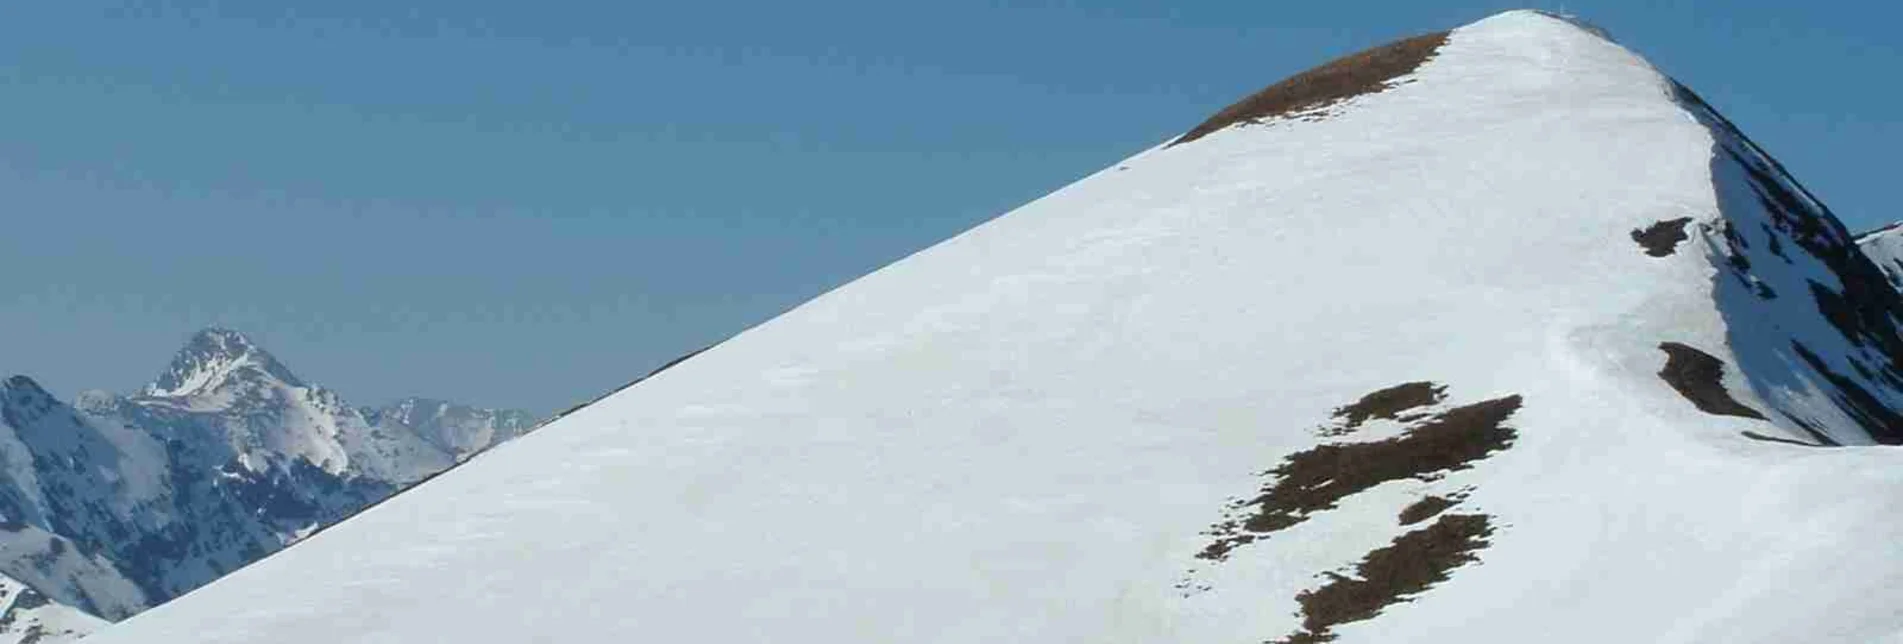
1386,404
1413,563
1661,238
1315,479
1367,72
1699,377
1426,508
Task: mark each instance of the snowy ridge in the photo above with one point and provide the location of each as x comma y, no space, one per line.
115,503
213,358
1884,247
26,617
458,430
268,416
57,466
1811,320
1513,346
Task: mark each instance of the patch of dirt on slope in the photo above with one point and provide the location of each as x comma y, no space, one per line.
1427,508
1699,377
1413,563
1386,404
1366,72
1315,479
1661,238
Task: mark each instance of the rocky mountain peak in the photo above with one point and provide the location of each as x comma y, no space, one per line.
212,358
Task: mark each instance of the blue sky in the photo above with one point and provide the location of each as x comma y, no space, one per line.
526,204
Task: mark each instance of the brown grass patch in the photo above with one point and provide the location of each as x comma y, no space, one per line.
1661,238
1315,479
1426,508
1699,377
1365,72
1386,404
1413,563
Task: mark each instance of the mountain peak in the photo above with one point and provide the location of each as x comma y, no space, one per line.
1884,247
1526,34
1494,344
19,394
212,357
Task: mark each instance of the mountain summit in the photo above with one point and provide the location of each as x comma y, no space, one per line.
1492,336
213,357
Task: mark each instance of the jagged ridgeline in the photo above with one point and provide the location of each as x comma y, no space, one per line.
1492,335
112,504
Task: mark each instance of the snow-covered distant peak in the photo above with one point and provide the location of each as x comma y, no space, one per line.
460,430
1884,246
213,357
28,617
21,389
1891,232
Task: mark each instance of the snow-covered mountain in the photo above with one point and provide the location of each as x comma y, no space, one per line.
28,617
115,503
1489,335
460,431
1884,246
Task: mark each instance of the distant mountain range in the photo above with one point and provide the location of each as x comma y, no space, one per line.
111,504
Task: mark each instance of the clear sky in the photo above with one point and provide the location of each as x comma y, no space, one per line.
528,203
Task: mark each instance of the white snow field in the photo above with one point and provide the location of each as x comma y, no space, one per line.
1039,430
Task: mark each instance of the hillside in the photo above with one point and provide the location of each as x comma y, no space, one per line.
1493,335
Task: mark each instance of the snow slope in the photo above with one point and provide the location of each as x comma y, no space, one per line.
1204,396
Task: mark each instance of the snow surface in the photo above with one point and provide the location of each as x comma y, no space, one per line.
1019,435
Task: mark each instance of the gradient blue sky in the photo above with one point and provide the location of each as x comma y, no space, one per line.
528,203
